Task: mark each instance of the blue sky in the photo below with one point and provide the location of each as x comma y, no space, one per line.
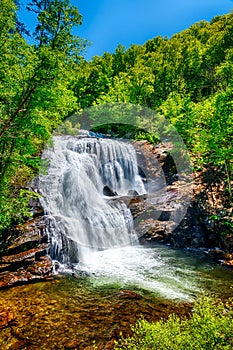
107,23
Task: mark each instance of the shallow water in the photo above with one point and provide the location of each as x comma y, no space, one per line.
72,312
166,272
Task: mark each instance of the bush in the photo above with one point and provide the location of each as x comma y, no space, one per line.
14,209
209,327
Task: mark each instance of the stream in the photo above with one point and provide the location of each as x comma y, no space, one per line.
100,299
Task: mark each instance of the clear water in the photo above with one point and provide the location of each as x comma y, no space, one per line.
165,272
76,311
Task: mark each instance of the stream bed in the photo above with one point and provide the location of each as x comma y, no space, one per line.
99,299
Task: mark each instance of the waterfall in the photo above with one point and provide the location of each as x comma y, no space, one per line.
80,215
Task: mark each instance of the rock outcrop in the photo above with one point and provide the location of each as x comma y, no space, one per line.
205,221
109,192
24,252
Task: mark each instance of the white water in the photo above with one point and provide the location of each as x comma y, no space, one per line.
81,217
159,269
167,273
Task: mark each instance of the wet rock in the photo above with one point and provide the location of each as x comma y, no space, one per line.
228,242
41,269
216,254
23,237
151,229
219,255
109,192
27,255
228,263
135,203
36,208
24,254
188,213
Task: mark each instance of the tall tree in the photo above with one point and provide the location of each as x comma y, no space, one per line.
35,92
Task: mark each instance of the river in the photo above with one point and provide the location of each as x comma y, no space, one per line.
94,305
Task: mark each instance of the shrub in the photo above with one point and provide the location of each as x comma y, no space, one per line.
210,326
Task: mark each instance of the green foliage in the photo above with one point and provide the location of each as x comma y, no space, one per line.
188,79
15,206
144,135
35,93
56,19
209,327
125,131
66,128
116,130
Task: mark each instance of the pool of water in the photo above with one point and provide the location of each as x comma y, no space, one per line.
167,273
93,304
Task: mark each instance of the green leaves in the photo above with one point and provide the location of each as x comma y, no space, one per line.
209,327
56,19
35,94
188,79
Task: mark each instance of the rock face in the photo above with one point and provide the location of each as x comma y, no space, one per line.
205,220
24,253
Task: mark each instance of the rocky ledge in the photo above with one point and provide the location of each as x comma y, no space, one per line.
24,254
180,212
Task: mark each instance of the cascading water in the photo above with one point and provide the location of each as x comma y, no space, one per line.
81,217
94,233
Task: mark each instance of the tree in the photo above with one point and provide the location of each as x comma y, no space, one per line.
35,93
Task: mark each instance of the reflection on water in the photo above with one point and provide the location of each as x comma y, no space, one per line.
72,312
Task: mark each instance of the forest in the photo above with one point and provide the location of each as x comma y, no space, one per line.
44,79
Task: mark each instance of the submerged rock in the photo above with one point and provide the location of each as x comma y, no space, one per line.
128,294
6,318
